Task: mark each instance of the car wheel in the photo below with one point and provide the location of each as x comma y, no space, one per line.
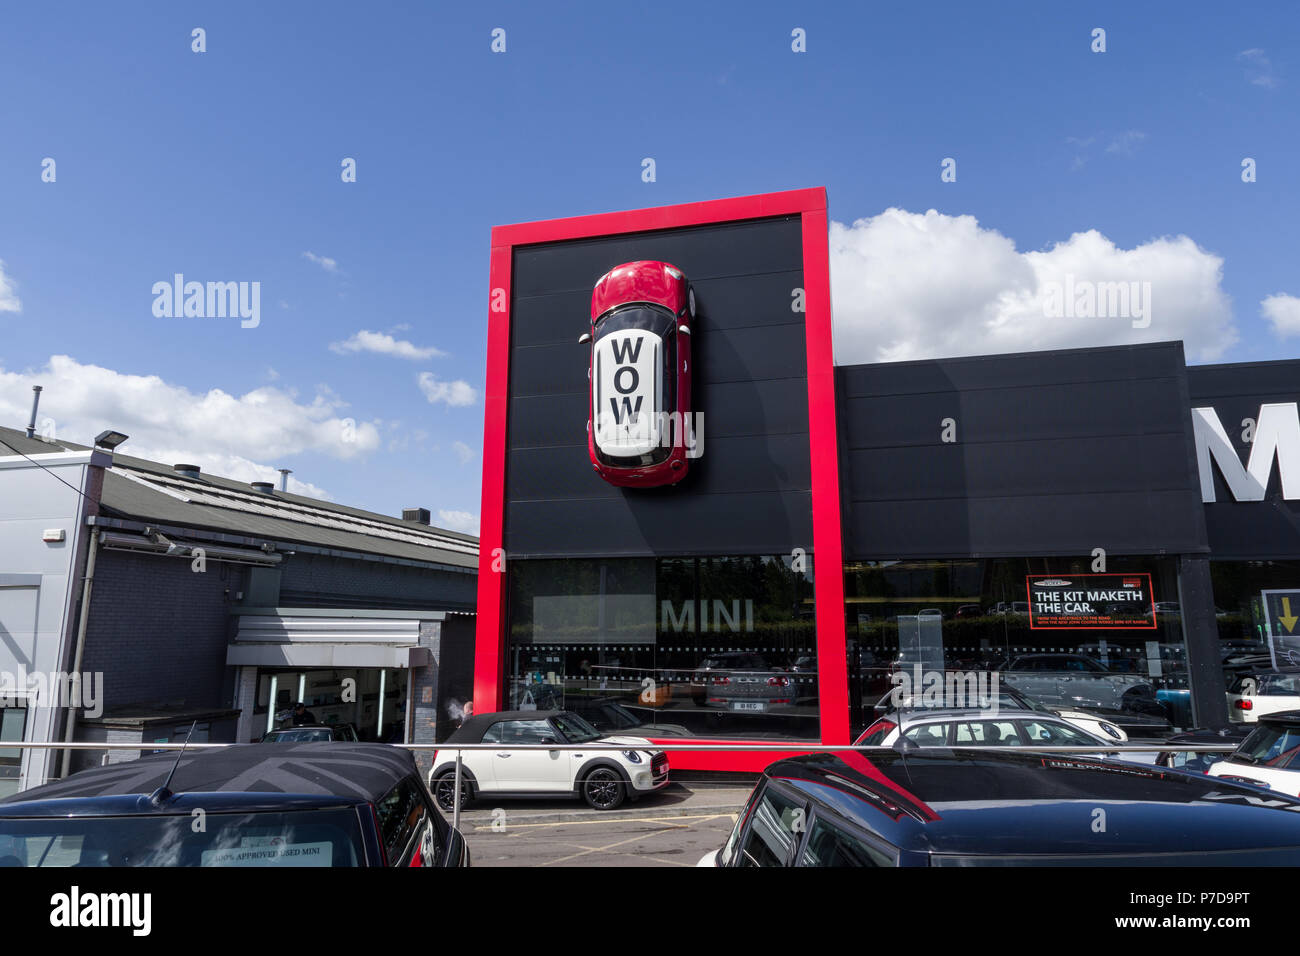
603,789
444,791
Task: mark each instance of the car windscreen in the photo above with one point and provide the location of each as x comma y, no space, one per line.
296,838
577,730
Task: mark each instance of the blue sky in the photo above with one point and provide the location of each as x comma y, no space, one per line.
224,166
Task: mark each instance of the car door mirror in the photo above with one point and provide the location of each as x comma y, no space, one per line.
584,338
546,740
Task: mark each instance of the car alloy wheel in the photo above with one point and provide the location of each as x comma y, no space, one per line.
603,789
445,792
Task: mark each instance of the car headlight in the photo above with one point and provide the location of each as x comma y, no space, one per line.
1112,730
632,755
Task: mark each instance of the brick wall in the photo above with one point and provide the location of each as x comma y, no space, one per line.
158,631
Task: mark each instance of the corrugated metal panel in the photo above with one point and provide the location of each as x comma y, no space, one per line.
333,630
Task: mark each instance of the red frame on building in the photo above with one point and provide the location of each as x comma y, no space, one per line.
828,547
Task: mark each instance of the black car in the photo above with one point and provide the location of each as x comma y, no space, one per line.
997,808
1194,762
304,804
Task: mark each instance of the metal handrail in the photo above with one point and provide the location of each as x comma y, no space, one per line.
781,746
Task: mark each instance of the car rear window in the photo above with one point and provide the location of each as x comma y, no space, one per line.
297,838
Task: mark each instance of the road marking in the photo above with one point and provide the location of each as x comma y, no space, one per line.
601,849
574,823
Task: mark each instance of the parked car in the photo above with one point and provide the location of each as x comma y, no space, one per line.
743,681
1257,691
311,732
1194,762
603,778
639,375
1003,808
1268,757
297,804
1075,680
1010,699
972,727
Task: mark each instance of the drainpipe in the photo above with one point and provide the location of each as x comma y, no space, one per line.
87,587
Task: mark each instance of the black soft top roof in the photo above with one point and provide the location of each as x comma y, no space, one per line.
471,732
364,772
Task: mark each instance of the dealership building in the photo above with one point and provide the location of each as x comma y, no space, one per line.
199,607
1106,505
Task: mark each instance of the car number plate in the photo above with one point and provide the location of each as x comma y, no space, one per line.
746,705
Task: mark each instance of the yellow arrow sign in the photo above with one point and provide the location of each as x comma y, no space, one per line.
1286,617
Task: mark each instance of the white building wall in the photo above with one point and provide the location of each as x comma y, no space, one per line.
40,582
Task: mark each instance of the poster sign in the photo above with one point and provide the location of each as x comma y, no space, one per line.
1091,601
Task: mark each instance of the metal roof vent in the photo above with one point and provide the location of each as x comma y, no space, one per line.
417,514
265,487
189,471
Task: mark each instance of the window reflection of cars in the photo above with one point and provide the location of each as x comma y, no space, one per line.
1257,692
610,715
741,682
1065,679
536,696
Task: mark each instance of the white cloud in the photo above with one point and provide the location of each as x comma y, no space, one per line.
245,437
325,262
382,344
454,393
458,521
1127,142
1259,68
463,452
910,286
1283,312
9,301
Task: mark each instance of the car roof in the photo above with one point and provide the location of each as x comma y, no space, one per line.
1007,803
472,730
318,773
916,715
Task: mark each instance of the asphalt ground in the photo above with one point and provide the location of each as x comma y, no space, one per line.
674,827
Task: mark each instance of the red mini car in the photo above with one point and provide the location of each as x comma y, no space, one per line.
640,429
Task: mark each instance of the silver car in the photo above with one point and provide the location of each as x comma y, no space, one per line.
1072,680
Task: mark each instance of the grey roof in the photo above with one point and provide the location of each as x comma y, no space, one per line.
146,491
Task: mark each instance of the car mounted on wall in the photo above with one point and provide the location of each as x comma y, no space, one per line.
640,427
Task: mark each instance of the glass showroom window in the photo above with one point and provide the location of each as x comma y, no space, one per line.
1053,631
717,646
1257,604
